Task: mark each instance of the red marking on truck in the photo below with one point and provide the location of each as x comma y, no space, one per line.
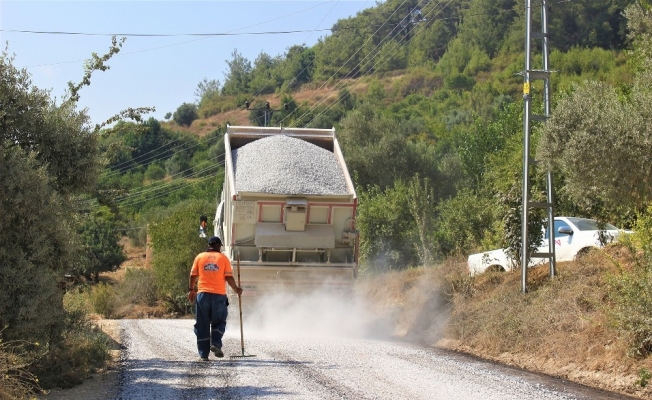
282,205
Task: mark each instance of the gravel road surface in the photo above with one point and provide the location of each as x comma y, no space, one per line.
160,361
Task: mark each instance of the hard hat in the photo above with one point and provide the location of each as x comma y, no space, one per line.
214,241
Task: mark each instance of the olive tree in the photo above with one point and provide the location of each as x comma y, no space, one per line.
48,156
37,246
600,137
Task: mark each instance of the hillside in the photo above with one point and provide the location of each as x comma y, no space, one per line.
307,95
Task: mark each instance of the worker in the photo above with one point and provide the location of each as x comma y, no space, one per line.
211,270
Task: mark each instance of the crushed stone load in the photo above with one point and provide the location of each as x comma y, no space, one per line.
286,165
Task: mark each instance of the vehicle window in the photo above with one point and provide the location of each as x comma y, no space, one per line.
559,224
584,224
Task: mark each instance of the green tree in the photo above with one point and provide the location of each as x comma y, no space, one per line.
238,77
264,75
185,114
100,239
421,202
38,246
154,172
478,144
298,66
591,24
372,146
48,156
175,243
486,22
339,54
375,93
386,229
207,90
58,136
464,223
458,82
430,44
597,128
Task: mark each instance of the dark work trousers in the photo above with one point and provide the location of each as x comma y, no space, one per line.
211,321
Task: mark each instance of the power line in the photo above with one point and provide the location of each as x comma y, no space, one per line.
385,39
342,66
124,166
182,185
156,186
163,34
189,41
133,199
339,86
325,97
296,76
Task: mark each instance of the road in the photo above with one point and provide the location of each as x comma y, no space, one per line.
159,361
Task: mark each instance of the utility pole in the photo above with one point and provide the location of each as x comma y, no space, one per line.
267,111
544,75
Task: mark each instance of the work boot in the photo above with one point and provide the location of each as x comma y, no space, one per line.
217,351
203,358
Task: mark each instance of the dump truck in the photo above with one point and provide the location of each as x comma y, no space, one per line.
287,210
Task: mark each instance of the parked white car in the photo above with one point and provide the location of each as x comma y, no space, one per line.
573,236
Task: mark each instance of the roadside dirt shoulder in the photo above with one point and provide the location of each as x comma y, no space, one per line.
104,384
621,383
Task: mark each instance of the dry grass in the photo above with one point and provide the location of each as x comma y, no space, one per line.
15,378
561,327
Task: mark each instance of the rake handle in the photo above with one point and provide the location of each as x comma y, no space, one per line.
240,306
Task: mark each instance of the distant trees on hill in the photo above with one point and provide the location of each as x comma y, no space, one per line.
185,114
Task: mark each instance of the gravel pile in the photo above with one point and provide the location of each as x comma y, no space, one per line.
287,165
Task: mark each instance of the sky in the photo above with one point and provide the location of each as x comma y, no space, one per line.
154,71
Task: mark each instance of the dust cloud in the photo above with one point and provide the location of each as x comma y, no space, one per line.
414,310
318,313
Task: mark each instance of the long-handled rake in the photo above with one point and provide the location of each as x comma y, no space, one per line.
243,355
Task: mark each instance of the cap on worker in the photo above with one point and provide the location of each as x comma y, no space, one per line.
214,241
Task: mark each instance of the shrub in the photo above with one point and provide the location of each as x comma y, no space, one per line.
139,287
104,300
175,244
632,291
76,301
154,172
85,348
185,114
16,381
464,222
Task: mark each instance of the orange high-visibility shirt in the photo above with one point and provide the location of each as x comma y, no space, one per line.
212,268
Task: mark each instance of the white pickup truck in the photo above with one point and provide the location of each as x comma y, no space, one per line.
573,236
